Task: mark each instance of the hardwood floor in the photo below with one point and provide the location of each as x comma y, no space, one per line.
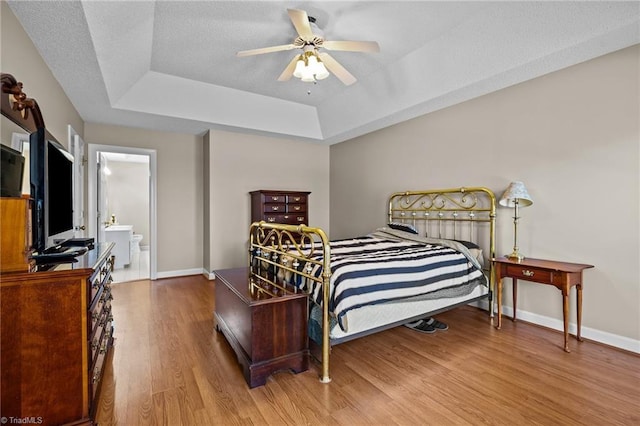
170,367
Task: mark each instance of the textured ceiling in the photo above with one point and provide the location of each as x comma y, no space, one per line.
172,65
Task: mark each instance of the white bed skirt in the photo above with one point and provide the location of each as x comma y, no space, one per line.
374,316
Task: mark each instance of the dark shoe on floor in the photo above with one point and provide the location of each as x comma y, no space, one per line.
413,324
438,325
429,325
421,326
425,327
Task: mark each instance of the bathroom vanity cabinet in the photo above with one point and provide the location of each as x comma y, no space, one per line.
121,235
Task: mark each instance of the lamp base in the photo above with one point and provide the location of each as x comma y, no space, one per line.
515,257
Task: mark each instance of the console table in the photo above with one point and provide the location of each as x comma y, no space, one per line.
562,275
267,328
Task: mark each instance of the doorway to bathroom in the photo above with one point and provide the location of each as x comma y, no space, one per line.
122,207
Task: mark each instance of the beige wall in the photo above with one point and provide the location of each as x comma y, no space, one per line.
571,136
179,190
242,163
20,58
128,196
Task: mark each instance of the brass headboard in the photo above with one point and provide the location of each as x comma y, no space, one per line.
457,214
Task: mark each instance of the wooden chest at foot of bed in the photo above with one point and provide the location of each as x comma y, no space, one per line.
266,327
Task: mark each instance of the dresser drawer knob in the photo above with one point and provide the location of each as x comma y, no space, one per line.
528,273
96,375
274,198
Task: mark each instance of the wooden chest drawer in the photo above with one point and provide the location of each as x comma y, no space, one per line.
273,198
296,208
297,198
289,219
275,208
95,314
543,276
99,358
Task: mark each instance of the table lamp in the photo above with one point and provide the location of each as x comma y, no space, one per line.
515,196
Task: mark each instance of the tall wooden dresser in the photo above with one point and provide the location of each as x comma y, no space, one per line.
15,238
273,206
57,332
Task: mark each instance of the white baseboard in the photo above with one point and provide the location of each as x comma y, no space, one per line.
180,273
600,336
209,275
610,339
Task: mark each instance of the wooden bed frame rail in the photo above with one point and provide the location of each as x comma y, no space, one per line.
280,253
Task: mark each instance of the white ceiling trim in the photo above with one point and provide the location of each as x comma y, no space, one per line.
122,39
167,95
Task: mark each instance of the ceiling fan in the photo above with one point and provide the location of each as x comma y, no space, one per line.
311,64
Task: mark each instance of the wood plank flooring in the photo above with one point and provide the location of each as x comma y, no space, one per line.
170,367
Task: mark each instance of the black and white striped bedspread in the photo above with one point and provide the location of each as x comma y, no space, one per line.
370,270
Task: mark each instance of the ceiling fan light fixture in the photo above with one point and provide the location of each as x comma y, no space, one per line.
300,66
312,62
307,75
308,66
321,71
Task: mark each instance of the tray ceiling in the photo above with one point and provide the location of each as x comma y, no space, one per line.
172,65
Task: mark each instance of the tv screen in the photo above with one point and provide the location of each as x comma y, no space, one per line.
51,179
59,194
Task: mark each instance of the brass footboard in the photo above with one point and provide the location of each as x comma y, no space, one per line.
283,257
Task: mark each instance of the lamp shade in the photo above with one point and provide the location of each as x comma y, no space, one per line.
321,72
516,191
299,67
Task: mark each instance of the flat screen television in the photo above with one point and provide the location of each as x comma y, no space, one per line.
51,180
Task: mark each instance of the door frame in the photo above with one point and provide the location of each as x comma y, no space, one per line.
77,148
92,164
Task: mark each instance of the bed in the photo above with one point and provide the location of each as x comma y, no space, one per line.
432,254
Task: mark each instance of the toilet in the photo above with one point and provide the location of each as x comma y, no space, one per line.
135,243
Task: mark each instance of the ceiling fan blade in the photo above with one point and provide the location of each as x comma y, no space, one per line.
266,50
300,20
288,71
352,46
337,69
